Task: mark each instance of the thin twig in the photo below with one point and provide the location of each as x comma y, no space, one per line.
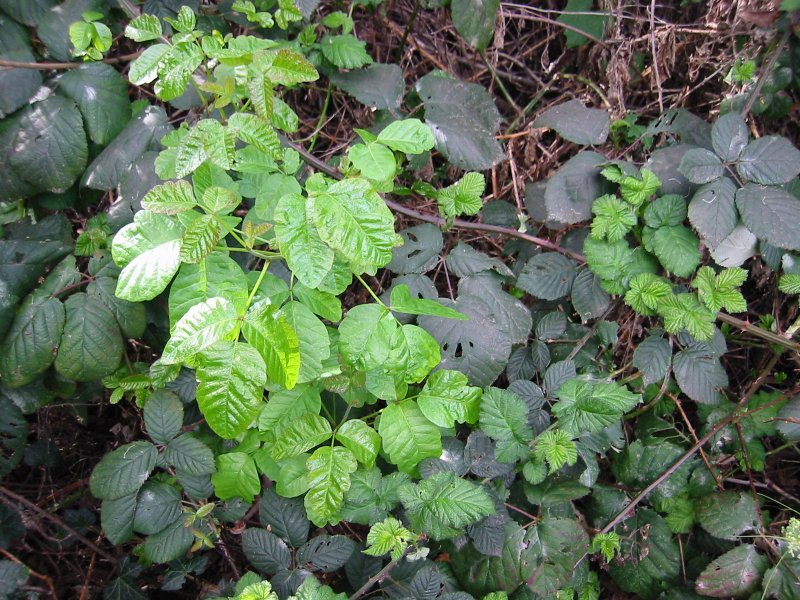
436,220
628,510
48,582
61,66
9,495
316,163
379,576
765,73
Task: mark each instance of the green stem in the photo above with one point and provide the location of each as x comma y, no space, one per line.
322,116
371,293
500,83
257,285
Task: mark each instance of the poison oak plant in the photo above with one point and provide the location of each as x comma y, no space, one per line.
488,444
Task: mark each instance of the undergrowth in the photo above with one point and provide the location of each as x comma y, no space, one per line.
345,364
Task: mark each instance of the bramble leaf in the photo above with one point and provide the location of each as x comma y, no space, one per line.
464,197
586,407
721,291
613,218
557,448
637,190
444,504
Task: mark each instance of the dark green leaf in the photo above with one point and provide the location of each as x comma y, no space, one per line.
31,343
712,211
574,187
729,136
325,553
579,14
123,471
652,357
142,133
116,518
464,120
419,252
699,165
163,416
286,517
189,455
771,213
157,506
734,574
265,551
91,346
168,544
548,276
769,160
727,515
380,86
474,20
29,12
13,436
576,123
102,97
17,86
477,347
50,149
700,375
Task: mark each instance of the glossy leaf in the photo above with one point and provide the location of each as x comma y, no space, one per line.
231,379
353,219
148,250
203,325
408,436
447,399
411,136
236,477
329,470
300,435
361,439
